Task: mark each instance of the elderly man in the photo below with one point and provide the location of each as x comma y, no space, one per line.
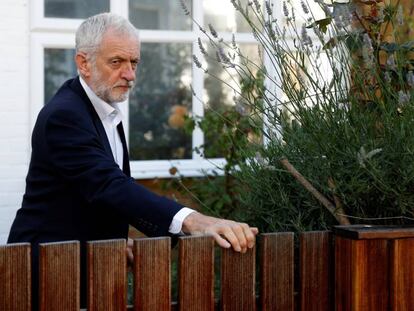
78,186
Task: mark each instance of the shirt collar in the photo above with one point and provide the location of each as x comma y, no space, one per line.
102,108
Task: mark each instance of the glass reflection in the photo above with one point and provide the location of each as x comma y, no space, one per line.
222,86
75,8
159,103
59,67
223,16
158,14
217,93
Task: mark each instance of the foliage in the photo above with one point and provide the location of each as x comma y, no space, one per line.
337,103
230,133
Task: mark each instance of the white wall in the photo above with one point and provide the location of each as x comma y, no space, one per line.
14,108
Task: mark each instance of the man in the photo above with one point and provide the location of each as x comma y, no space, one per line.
78,185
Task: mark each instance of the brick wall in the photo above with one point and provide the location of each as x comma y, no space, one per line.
14,108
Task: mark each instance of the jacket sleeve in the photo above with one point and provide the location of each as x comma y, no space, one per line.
79,157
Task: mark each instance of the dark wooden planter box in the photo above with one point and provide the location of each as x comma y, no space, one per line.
374,268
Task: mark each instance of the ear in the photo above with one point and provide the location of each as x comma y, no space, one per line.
83,64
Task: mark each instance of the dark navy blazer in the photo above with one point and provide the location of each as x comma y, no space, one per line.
74,188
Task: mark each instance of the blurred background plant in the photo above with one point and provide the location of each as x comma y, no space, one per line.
322,131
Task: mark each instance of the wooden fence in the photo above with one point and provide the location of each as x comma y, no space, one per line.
59,275
261,279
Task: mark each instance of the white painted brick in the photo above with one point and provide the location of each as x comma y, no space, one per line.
3,239
14,105
10,211
14,108
12,185
7,198
14,102
18,148
18,159
18,131
6,221
12,118
16,171
15,144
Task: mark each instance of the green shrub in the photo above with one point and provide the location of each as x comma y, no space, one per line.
345,123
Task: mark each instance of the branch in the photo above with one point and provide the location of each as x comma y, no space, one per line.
337,212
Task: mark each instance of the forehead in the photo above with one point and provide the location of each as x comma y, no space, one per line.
116,44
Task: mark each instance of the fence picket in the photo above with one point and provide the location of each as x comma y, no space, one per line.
196,273
15,277
343,273
316,277
59,276
106,275
277,271
238,280
152,274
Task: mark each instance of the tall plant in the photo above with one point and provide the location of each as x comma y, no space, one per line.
337,105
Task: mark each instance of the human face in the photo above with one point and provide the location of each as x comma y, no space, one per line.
112,73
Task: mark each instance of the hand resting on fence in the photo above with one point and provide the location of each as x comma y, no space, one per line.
226,233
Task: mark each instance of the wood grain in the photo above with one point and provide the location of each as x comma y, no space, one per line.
362,274
343,271
106,275
277,271
402,275
15,277
152,274
316,277
59,276
238,275
196,273
370,275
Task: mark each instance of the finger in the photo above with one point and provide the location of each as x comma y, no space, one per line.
231,237
130,257
250,236
220,241
129,252
239,231
254,230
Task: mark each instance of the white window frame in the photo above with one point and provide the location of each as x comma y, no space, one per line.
60,33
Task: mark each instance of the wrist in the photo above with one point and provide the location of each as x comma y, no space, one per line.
190,223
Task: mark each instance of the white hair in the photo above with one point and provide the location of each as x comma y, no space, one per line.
90,33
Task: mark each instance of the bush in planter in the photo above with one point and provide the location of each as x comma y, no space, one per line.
345,121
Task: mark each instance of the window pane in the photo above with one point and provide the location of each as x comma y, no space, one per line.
75,8
159,102
59,67
158,14
216,92
222,87
223,17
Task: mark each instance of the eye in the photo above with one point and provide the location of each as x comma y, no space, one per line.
115,62
134,64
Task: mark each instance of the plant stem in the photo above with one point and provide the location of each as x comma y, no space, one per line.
337,212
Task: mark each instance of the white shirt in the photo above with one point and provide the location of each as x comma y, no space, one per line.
110,116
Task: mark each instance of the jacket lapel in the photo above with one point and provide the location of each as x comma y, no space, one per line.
77,87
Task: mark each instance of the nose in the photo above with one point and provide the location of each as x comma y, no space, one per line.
128,73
